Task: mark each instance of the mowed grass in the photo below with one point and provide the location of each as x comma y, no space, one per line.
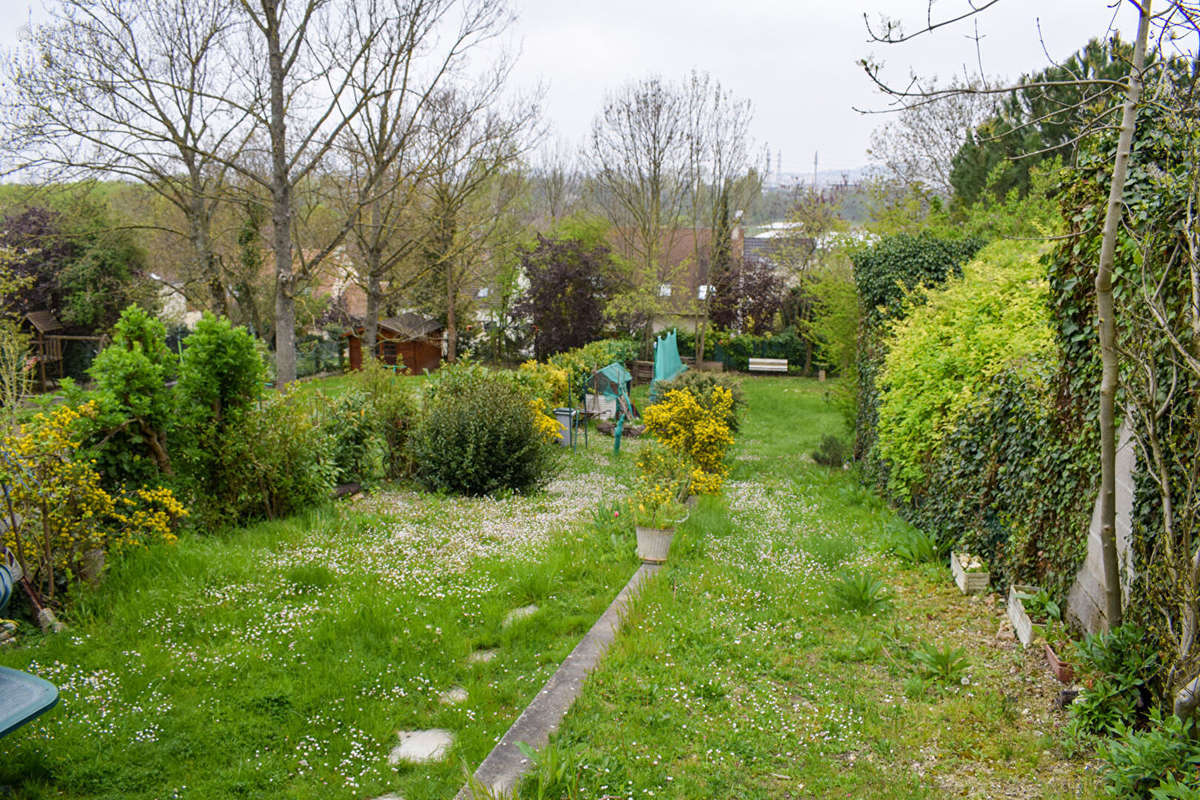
743,673
282,659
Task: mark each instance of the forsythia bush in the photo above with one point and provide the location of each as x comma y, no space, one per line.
544,381
545,422
58,511
700,431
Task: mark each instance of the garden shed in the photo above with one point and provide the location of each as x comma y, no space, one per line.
415,339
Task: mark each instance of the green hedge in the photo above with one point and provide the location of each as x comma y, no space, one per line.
952,343
884,272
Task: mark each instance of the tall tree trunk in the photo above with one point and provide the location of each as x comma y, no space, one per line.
201,223
281,207
374,300
1106,314
374,256
451,315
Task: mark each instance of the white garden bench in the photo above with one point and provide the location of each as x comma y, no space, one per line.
768,365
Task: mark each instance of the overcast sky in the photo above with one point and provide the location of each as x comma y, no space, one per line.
796,60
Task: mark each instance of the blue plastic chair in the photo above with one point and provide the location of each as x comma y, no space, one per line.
23,697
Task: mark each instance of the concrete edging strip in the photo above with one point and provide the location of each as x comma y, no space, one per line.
502,769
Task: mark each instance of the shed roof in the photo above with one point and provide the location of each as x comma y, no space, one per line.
411,326
43,321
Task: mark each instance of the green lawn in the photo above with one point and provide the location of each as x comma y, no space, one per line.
736,678
281,660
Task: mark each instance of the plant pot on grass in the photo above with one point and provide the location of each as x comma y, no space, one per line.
653,544
1061,669
1058,645
656,512
970,573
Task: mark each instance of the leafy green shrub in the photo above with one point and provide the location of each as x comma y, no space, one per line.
701,385
832,452
1162,762
581,362
1124,653
861,593
128,435
354,438
394,410
478,434
273,461
949,348
241,461
942,665
222,372
1122,663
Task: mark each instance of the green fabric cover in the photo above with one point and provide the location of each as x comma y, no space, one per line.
667,363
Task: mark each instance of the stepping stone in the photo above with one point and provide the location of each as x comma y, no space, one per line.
453,697
389,796
482,656
519,614
420,747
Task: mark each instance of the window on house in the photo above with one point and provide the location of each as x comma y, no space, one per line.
664,290
703,292
484,292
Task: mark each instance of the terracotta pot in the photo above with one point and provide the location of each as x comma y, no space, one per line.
653,544
1061,669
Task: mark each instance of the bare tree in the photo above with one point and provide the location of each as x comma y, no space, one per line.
134,89
387,152
557,183
471,185
919,146
638,155
720,161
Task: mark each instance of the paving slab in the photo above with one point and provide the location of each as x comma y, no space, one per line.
454,696
421,747
483,655
518,614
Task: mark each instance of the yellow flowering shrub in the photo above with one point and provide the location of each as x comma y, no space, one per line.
654,505
699,431
658,465
56,509
546,423
545,381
